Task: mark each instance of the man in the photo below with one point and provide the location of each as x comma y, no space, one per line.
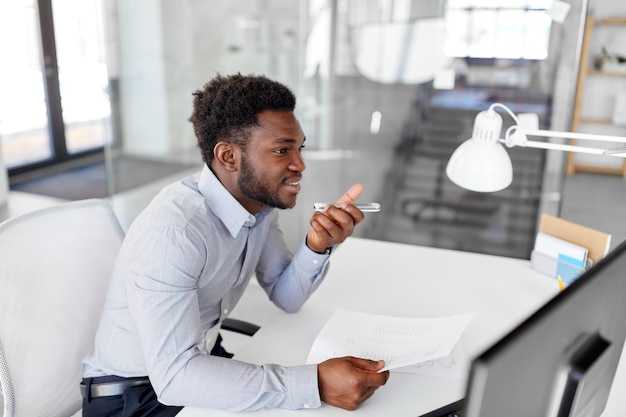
189,255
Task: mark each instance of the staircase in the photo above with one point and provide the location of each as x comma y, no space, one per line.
424,207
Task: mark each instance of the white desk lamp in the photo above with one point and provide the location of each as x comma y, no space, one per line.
482,164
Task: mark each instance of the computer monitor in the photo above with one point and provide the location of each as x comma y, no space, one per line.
561,361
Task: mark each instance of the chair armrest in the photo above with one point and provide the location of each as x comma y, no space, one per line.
240,326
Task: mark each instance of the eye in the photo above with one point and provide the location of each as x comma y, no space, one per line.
301,148
280,150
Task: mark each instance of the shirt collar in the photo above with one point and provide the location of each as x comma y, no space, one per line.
226,207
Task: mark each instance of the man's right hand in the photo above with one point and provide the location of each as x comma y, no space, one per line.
348,381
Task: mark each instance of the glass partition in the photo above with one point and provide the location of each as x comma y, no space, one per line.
386,90
406,80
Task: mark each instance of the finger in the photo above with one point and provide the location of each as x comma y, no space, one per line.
350,196
367,364
335,222
375,379
372,368
356,215
346,217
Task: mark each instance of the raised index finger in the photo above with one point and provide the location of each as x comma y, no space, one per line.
350,196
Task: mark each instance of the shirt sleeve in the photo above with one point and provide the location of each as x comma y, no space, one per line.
289,280
163,303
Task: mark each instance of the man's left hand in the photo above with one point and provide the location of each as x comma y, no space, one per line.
333,225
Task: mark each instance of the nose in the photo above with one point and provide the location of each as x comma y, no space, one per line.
297,163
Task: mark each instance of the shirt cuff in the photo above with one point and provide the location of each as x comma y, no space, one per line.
302,387
313,259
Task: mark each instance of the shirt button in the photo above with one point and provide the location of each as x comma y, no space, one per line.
306,406
225,311
316,261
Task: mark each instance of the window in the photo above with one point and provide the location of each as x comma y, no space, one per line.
55,104
509,29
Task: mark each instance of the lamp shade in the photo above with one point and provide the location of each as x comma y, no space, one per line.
482,166
481,163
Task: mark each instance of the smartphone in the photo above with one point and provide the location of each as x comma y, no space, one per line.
364,207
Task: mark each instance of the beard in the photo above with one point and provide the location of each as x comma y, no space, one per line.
251,187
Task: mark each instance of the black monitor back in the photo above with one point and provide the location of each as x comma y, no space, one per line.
561,361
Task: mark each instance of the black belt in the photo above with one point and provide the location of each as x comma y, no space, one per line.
108,389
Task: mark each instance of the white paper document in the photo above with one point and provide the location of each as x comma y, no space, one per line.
553,247
399,341
455,365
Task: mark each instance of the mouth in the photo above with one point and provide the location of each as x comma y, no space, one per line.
293,185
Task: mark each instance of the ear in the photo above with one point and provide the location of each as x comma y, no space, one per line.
227,155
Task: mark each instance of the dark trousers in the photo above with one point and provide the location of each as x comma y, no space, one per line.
139,401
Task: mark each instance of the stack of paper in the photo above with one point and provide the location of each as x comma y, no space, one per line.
557,257
566,249
400,342
596,241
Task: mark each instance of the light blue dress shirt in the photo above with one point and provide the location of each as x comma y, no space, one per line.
183,266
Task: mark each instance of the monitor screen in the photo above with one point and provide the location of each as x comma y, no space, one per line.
561,361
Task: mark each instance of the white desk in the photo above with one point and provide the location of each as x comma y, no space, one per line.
403,280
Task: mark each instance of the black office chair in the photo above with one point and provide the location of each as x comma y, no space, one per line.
240,326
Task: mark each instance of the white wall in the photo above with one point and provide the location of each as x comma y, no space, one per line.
171,48
144,107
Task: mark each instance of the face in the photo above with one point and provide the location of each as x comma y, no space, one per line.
271,164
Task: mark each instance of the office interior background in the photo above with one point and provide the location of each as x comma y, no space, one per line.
386,90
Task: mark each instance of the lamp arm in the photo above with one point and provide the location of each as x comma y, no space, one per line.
561,147
516,136
575,135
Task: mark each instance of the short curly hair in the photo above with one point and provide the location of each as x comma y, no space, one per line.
227,106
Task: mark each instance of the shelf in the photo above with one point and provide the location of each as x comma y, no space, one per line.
592,121
606,73
573,166
596,169
611,21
